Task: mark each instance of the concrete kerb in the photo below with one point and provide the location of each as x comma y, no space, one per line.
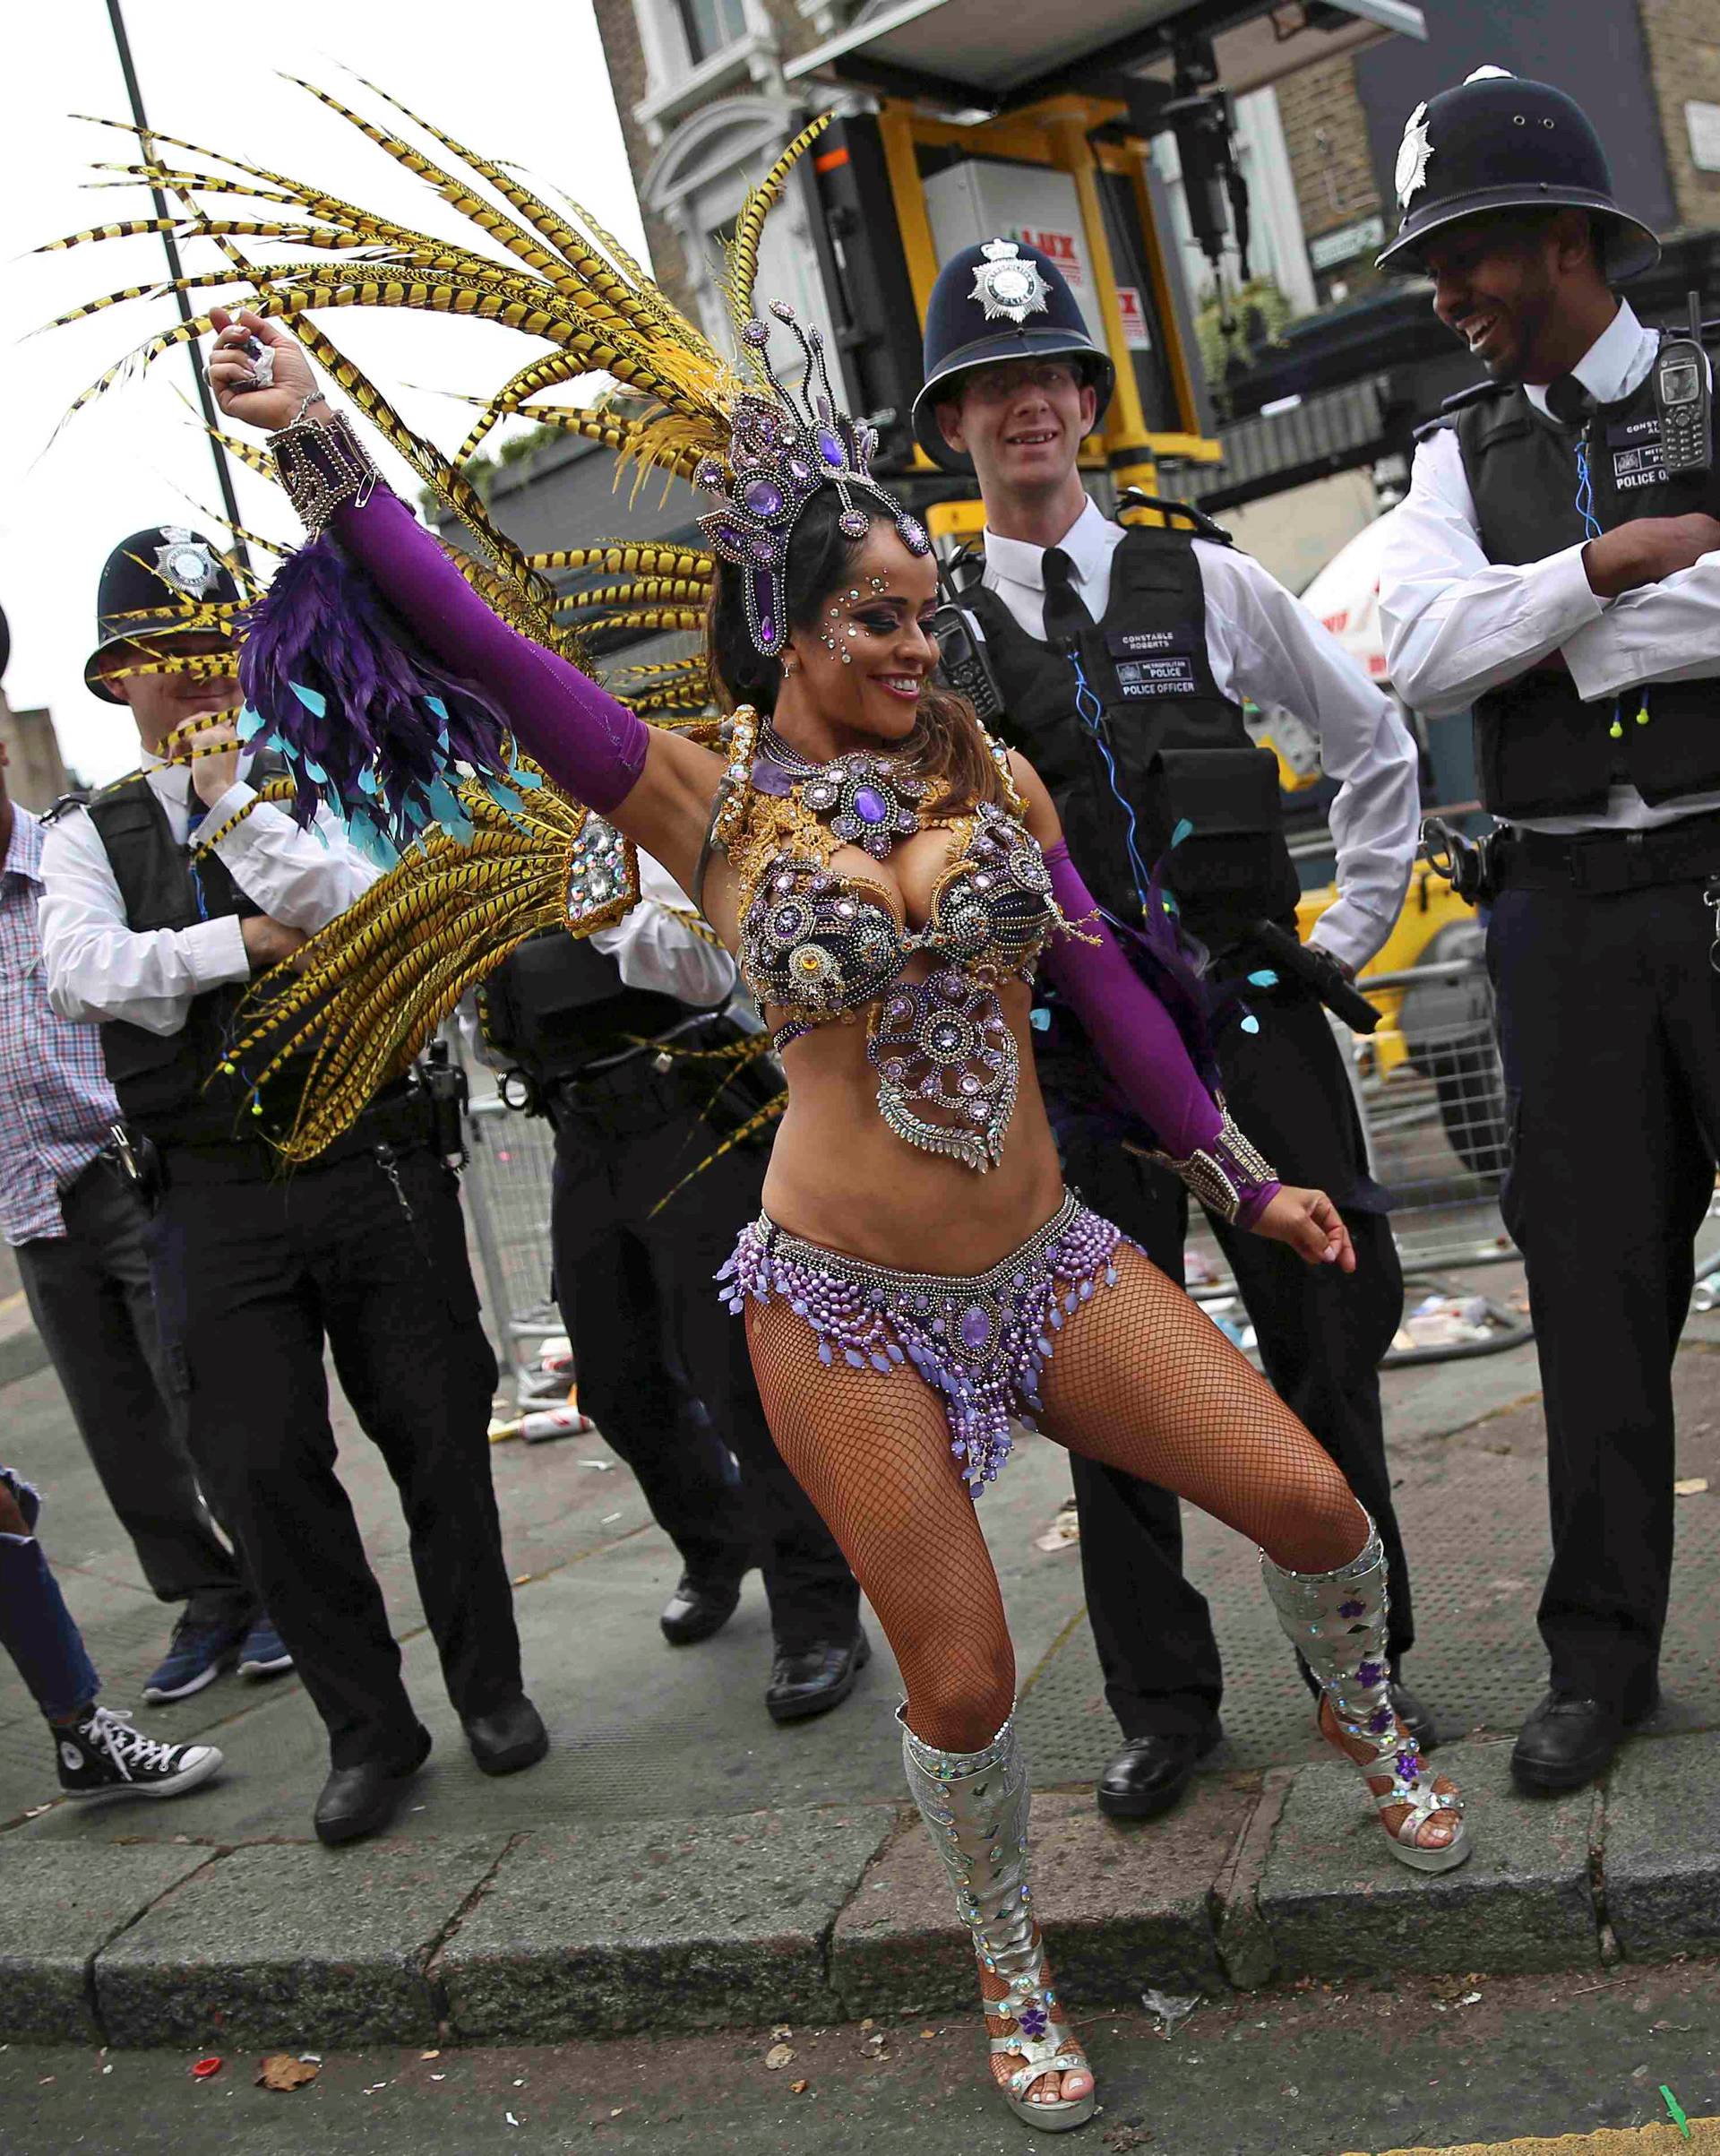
60,1908
830,1912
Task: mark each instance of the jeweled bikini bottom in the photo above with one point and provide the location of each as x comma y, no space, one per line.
980,1340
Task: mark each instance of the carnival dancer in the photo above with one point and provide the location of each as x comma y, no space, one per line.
1121,657
1556,566
919,1273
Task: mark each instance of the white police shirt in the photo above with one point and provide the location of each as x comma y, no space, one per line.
1263,644
1456,624
655,948
100,969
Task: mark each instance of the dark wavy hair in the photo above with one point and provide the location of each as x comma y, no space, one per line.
946,744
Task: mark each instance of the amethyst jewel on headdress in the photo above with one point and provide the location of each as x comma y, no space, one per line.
779,454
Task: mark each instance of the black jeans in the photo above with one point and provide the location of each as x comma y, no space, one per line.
1321,1335
637,1291
1609,1016
89,1291
369,1256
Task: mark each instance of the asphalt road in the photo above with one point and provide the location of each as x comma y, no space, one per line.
1321,2072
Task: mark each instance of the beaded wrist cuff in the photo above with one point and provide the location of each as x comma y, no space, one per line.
1225,1175
320,464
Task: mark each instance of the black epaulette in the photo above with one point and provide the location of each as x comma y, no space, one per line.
1203,527
1476,393
63,806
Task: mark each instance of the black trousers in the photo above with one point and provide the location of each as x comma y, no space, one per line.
369,1255
89,1291
663,1368
1321,1336
1609,1017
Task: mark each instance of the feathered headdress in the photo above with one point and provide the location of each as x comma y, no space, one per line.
492,850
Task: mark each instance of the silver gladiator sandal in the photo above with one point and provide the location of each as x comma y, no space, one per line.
974,1806
1338,1621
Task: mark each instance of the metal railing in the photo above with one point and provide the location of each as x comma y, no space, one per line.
507,1188
1430,1094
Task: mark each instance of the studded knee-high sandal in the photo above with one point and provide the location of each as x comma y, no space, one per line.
1338,1621
974,1806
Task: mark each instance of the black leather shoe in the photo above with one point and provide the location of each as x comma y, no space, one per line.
1150,1773
508,1737
698,1609
806,1681
361,1800
1415,1719
1567,1741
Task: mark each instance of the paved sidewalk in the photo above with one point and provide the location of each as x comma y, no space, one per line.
679,1862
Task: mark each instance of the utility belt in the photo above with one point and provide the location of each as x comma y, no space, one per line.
648,1084
186,1153
1598,864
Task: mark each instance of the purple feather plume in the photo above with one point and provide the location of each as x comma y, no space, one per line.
368,724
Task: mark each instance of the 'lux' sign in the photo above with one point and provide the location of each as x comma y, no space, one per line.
1061,247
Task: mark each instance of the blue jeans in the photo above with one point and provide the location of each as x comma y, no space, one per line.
36,1627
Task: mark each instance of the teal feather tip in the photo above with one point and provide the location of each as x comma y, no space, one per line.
1184,830
314,702
1251,1024
1265,979
250,723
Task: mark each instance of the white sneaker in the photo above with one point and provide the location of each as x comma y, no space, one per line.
105,1756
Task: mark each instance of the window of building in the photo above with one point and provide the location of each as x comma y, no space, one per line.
711,26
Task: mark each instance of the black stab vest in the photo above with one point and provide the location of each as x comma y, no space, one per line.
1146,662
1540,750
558,1005
170,1085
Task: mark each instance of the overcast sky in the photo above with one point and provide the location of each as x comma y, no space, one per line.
536,95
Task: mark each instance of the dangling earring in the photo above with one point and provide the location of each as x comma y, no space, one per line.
788,664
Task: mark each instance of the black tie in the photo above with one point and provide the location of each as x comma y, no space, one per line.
1567,401
1067,619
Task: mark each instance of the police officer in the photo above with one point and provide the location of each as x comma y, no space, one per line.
161,899
1121,659
1554,568
624,1040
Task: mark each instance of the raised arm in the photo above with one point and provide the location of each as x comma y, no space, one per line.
655,787
1149,1062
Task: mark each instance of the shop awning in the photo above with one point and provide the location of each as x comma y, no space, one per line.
975,55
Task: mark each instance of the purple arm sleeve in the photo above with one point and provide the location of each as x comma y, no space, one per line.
1144,1053
590,745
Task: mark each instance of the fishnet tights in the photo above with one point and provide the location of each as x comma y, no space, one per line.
1141,1380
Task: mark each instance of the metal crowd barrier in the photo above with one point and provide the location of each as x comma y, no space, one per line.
507,1188
1430,1091
1428,1087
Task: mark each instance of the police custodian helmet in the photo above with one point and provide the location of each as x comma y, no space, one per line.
1002,300
1498,143
166,580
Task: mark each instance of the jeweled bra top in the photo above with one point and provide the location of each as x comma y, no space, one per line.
825,946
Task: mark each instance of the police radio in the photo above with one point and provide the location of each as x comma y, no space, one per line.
1682,399
963,662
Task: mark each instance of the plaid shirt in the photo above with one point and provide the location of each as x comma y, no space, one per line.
55,1102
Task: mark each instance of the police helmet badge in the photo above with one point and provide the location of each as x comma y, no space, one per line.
1413,153
185,562
1007,283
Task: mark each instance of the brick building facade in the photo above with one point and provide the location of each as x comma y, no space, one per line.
1683,41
